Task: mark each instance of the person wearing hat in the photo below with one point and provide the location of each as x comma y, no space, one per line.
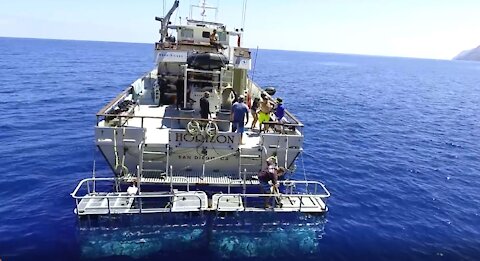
237,117
205,106
280,110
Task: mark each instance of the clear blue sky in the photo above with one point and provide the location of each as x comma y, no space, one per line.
409,28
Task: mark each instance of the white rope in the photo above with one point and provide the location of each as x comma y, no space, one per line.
115,147
124,154
303,167
116,151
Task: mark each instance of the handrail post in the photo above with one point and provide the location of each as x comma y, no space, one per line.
171,178
108,205
76,206
168,158
245,181
301,201
239,163
185,83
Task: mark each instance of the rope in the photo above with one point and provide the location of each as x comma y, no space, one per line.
116,152
115,147
303,167
124,154
255,64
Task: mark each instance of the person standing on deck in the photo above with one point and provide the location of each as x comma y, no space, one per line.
265,109
237,117
162,85
253,111
205,106
280,110
180,91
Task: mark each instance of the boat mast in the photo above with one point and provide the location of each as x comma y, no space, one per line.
165,20
203,10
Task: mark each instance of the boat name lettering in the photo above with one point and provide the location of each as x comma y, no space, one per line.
190,157
170,55
185,137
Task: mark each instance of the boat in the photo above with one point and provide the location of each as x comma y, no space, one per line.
165,158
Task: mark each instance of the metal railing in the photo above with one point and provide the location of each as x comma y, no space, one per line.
291,184
104,115
104,195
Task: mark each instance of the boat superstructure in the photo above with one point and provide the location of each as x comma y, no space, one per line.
152,134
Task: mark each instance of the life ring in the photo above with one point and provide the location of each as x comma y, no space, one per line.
211,129
193,128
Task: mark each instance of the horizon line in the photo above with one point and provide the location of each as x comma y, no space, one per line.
252,48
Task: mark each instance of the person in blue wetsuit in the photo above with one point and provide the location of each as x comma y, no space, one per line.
280,110
237,117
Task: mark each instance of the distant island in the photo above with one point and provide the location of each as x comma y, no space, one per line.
469,55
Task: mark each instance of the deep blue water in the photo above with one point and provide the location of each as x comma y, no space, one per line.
396,141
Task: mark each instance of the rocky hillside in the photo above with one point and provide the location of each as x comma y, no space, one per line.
469,55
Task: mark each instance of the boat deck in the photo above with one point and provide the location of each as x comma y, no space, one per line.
161,178
157,129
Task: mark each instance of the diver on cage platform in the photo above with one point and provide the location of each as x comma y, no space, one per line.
268,179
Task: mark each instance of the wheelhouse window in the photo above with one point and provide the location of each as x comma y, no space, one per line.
222,36
206,34
186,33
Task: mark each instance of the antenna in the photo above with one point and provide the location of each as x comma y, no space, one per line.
244,13
203,10
164,8
203,6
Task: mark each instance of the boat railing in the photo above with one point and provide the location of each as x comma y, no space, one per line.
102,116
291,186
115,101
90,184
309,187
135,90
287,124
318,190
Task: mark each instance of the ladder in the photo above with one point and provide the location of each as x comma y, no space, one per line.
243,166
155,157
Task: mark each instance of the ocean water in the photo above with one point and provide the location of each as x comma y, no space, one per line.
396,141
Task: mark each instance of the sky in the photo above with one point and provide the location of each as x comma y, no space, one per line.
437,29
